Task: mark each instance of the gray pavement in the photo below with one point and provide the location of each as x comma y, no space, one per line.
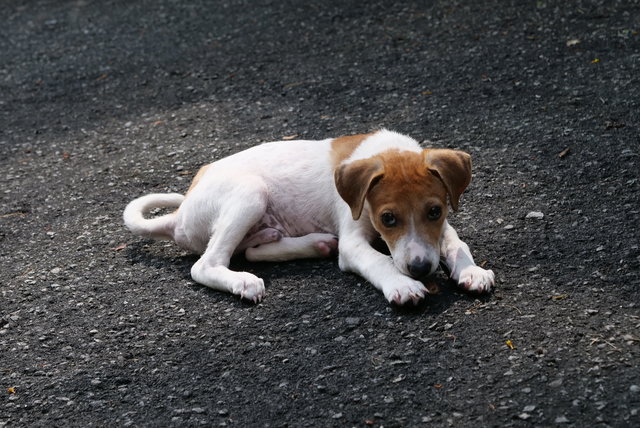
101,102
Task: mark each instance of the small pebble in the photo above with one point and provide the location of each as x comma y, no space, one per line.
556,383
536,215
352,321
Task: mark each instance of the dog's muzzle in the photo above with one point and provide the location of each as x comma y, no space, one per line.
419,267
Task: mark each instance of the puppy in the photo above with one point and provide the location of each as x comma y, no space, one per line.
293,199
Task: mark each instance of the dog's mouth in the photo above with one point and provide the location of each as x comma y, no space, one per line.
425,278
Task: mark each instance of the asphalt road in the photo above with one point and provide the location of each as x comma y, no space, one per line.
101,102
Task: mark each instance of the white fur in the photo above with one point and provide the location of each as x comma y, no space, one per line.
462,268
277,202
412,246
381,141
159,227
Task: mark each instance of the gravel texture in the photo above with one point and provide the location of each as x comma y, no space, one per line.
103,101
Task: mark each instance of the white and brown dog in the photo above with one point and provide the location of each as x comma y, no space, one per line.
293,199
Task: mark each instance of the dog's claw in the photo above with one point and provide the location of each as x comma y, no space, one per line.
477,280
408,291
249,287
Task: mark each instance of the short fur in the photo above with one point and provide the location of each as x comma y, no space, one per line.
293,199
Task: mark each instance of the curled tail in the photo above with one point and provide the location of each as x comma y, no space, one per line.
159,227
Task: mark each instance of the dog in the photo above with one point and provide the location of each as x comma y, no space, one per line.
307,199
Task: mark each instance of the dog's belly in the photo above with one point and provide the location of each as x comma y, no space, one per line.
283,224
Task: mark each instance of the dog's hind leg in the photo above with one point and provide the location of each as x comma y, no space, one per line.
313,245
244,205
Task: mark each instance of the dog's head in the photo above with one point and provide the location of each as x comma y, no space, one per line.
406,195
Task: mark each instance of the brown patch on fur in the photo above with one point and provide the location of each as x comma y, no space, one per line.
343,147
197,177
195,181
407,189
453,167
353,181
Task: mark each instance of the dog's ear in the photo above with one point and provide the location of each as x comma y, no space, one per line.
453,167
354,179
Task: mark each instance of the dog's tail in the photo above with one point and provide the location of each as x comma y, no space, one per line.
159,227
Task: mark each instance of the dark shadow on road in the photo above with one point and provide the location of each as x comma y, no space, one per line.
151,254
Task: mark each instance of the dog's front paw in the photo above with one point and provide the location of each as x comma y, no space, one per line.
476,279
248,286
405,290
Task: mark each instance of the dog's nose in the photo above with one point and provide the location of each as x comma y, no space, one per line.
419,267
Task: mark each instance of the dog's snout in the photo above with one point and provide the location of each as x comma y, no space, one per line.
419,267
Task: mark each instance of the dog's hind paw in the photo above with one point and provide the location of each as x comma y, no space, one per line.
476,279
327,247
249,287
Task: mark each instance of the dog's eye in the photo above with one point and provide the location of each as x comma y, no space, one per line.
434,213
388,219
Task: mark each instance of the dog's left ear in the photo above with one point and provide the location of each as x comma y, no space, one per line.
453,167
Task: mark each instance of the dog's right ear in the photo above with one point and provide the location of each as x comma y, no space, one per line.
354,179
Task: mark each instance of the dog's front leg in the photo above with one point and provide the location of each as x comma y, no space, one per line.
463,269
356,255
